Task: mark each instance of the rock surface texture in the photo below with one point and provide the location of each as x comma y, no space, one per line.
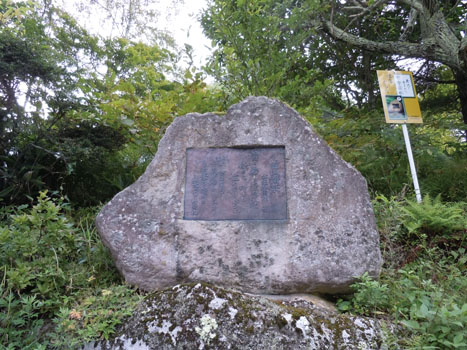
205,317
328,237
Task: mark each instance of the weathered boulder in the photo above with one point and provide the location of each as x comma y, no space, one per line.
253,200
206,317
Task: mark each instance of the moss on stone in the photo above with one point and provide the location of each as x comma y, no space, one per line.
168,320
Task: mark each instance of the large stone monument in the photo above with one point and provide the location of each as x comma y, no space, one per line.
253,200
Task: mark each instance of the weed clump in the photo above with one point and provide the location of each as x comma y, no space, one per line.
423,284
58,284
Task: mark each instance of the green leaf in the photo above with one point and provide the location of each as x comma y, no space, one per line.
411,324
127,121
6,191
423,311
458,338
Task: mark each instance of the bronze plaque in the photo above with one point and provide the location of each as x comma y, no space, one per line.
235,184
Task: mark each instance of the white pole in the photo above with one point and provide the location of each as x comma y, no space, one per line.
412,163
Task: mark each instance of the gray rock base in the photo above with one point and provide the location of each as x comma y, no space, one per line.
205,317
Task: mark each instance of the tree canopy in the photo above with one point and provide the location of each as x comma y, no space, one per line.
429,30
270,44
79,109
79,113
322,57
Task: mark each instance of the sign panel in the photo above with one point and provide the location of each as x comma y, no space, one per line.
235,184
399,97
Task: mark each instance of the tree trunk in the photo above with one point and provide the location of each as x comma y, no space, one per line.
461,81
367,75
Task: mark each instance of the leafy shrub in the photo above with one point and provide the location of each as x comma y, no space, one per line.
388,212
408,229
432,305
434,311
36,251
19,321
378,151
432,217
93,315
370,297
424,287
50,265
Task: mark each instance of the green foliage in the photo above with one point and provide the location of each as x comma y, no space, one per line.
275,49
378,151
370,297
134,93
420,227
50,265
19,321
441,324
94,110
93,315
35,248
409,229
43,55
260,50
423,284
432,217
430,310
365,141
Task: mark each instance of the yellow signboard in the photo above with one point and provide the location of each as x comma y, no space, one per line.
399,97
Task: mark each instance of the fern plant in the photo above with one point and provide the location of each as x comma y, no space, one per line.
434,217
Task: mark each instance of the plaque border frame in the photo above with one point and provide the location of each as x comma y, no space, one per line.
251,146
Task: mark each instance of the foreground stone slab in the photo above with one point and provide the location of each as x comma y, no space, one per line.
253,200
206,317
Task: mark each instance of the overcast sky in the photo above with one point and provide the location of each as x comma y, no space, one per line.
188,30
178,17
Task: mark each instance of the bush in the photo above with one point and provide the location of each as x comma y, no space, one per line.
20,321
36,251
54,267
423,285
378,151
432,217
93,315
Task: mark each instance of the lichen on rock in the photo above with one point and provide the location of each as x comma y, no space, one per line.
202,316
207,329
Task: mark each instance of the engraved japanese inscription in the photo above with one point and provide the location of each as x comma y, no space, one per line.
235,184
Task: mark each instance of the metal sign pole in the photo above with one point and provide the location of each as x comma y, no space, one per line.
412,163
400,104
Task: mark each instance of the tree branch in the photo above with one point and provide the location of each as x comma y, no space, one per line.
363,12
433,80
416,4
426,49
444,36
410,25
